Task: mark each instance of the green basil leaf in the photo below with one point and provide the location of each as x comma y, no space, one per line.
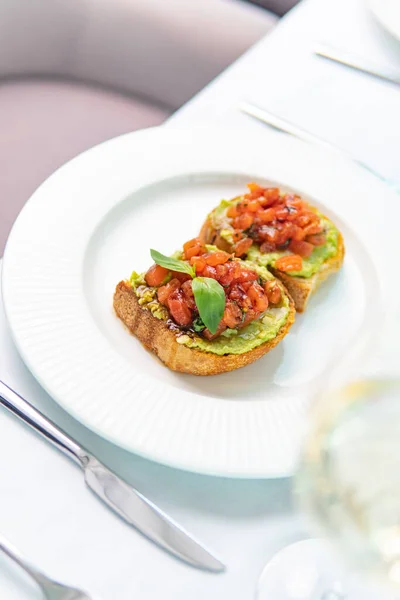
173,264
209,296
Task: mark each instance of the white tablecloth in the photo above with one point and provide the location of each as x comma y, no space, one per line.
45,509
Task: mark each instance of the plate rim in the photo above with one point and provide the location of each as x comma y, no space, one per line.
25,355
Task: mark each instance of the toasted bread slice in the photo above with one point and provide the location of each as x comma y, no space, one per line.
159,338
299,288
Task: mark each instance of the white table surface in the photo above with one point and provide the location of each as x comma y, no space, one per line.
45,509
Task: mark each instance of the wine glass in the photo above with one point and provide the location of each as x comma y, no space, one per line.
348,482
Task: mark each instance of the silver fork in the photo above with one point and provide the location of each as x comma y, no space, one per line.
52,590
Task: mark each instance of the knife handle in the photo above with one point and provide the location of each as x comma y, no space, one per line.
31,416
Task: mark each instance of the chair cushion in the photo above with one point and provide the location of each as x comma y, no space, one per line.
45,123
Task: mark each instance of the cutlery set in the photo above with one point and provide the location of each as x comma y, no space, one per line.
134,508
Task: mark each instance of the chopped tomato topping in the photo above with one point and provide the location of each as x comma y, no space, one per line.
267,215
317,239
199,262
275,221
236,236
242,246
290,262
180,276
313,228
273,292
245,298
267,247
254,187
193,248
179,309
301,248
164,292
253,206
217,258
155,275
188,294
209,271
232,315
243,221
258,298
232,211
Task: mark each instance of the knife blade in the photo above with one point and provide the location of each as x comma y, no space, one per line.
358,63
280,124
123,499
140,512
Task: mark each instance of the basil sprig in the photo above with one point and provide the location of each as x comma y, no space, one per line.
173,264
209,295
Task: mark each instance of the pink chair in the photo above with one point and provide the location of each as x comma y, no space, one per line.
77,72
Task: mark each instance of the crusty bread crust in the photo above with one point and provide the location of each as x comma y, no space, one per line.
160,339
299,288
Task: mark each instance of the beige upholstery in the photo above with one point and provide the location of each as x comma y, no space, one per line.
156,52
163,50
45,123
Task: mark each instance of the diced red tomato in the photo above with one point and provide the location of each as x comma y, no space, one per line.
180,276
273,292
211,336
179,309
155,275
232,315
253,206
277,222
237,235
312,228
290,262
255,187
188,294
304,219
302,248
242,246
217,258
317,239
267,247
268,234
199,262
193,247
209,271
258,298
267,216
271,195
232,211
247,275
243,221
298,233
249,316
164,292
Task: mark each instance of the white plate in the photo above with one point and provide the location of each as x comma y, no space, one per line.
93,221
387,12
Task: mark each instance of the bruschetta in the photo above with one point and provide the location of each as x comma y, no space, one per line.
280,232
205,311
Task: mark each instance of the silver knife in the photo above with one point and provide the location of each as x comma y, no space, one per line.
123,499
359,63
263,115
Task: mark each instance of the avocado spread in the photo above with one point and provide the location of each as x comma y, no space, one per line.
311,264
231,341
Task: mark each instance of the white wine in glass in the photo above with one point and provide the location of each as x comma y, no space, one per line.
348,483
